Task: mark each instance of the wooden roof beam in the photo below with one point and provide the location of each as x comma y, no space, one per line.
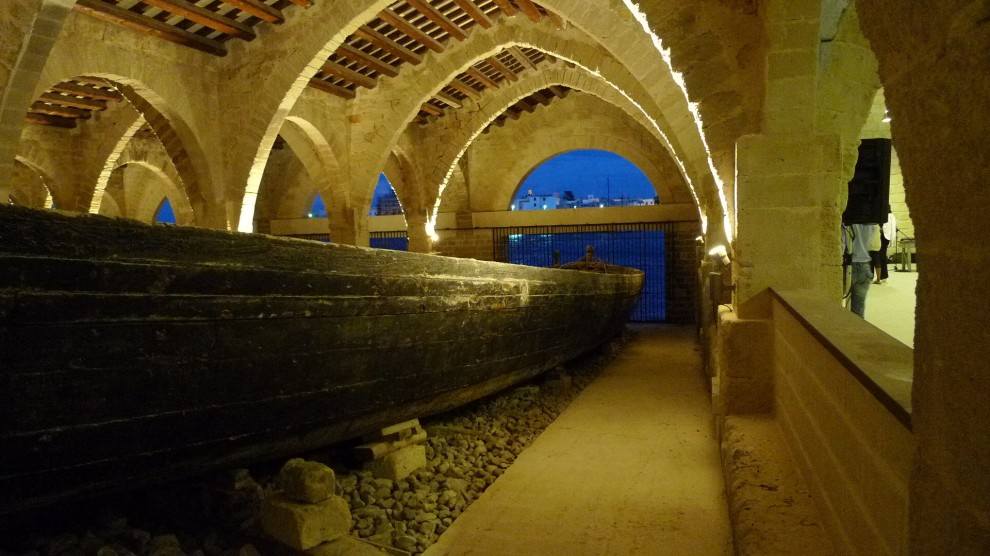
479,17
361,80
502,68
415,33
362,57
54,121
448,100
436,17
432,110
258,9
506,7
522,57
388,45
465,88
149,26
484,79
63,111
331,88
205,17
87,92
530,9
73,102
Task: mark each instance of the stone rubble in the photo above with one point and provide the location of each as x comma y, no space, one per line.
466,451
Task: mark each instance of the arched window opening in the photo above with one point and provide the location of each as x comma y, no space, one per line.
165,214
385,201
585,178
890,303
318,209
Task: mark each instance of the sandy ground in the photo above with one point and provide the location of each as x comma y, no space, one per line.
630,468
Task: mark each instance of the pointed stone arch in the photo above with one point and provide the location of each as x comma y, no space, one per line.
29,37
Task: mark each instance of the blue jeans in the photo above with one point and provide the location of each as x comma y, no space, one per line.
862,275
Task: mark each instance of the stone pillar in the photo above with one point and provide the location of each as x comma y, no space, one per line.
933,65
787,179
342,226
419,242
788,175
30,28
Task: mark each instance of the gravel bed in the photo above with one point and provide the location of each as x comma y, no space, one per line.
466,449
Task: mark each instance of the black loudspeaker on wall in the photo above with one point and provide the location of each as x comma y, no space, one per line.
869,189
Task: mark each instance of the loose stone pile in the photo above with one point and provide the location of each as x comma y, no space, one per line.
466,451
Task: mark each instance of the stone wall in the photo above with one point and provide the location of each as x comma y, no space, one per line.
682,273
843,423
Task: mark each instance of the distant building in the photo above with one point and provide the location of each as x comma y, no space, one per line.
537,202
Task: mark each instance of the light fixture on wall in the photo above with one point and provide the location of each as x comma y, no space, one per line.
886,116
719,292
719,256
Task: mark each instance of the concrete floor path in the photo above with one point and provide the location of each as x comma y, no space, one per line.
630,468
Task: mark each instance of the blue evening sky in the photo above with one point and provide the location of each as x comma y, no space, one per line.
588,172
165,214
585,172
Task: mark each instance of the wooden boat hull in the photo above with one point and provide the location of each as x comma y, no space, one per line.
133,353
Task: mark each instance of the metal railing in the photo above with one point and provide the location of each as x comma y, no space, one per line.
396,241
648,247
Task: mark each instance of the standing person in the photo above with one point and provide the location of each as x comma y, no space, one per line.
856,240
887,234
875,244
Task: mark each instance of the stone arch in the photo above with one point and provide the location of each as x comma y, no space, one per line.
305,59
285,189
318,158
313,38
137,189
450,146
669,87
847,89
28,44
456,197
181,113
933,69
571,143
34,193
583,53
154,159
632,139
188,159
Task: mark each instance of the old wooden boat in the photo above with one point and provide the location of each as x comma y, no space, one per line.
132,353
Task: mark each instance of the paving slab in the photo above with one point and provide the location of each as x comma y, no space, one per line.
630,468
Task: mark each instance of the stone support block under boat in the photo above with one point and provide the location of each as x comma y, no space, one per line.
304,526
309,482
399,464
